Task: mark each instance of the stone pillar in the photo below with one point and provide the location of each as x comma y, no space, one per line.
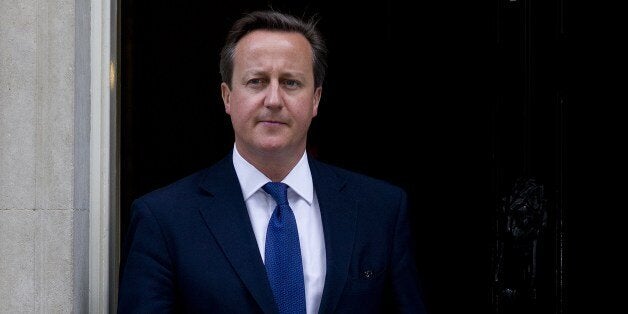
44,155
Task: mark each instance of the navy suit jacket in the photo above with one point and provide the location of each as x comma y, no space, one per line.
191,248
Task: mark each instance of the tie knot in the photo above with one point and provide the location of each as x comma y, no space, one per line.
278,190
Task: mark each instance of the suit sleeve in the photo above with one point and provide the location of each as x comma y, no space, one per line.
406,294
146,277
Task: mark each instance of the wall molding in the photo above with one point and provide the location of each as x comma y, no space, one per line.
103,182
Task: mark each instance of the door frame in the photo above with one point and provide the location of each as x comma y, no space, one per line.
104,158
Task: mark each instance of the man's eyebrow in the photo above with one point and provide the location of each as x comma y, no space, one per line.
285,74
255,72
294,74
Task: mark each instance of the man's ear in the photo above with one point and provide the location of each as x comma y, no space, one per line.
225,92
316,100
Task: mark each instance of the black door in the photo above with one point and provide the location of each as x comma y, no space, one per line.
462,104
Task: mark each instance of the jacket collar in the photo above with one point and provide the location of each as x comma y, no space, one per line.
338,213
225,214
226,217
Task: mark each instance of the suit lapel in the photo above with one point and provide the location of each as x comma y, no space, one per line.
338,213
225,214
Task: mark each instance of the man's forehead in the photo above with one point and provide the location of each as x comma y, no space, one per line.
266,39
267,52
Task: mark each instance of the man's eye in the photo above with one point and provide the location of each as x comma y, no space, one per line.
292,83
255,82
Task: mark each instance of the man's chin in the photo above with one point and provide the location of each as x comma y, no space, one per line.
272,148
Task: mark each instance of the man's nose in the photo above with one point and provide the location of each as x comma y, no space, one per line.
273,96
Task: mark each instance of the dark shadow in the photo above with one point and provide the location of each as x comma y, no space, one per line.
413,96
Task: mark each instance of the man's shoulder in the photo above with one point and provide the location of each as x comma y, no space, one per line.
188,187
360,183
183,188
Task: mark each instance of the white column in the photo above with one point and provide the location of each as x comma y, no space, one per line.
57,177
43,157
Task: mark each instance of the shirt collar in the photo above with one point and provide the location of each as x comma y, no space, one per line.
251,180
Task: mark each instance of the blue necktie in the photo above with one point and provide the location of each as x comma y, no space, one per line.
283,253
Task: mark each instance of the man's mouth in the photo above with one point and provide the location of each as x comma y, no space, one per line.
271,122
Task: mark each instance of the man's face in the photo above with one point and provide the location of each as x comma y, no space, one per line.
272,98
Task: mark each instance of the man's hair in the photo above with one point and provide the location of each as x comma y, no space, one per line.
274,21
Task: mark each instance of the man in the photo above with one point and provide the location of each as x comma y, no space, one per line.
268,229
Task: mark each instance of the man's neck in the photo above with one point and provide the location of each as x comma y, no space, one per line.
276,166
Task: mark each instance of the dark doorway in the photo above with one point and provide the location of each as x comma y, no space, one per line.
436,97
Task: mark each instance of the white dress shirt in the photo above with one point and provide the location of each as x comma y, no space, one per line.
304,204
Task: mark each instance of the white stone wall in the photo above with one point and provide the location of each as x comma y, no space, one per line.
44,149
